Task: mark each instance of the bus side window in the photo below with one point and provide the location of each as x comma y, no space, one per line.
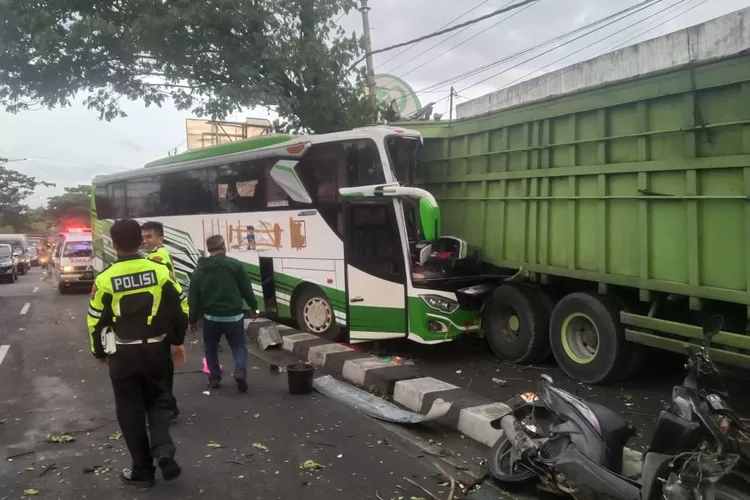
186,193
102,203
119,200
143,197
238,187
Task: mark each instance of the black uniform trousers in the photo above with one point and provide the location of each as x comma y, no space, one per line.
170,379
139,376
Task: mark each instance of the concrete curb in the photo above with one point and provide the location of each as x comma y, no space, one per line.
469,413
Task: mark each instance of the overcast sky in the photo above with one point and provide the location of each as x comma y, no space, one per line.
70,146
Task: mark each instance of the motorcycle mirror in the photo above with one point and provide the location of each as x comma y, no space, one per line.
546,378
712,326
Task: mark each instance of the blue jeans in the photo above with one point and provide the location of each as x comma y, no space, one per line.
235,333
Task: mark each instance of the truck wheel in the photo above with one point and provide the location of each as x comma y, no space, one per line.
61,288
314,314
515,323
588,340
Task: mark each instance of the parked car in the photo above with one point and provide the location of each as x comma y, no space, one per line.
8,268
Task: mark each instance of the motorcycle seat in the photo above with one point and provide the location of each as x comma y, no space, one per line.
612,424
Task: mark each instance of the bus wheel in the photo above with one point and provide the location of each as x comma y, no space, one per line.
515,322
314,314
588,340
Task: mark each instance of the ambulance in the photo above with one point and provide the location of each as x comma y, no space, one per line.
73,262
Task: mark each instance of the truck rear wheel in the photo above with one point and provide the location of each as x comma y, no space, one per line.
515,322
588,340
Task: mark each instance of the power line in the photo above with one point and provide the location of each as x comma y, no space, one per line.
644,7
579,50
443,26
462,76
515,13
447,30
438,43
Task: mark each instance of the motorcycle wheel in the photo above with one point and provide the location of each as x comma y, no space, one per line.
501,468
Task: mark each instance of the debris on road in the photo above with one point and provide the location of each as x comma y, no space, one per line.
60,438
310,466
269,336
500,382
260,446
213,444
375,406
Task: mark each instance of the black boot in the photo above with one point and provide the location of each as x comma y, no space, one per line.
241,378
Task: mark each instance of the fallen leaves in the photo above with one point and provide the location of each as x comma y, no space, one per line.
115,436
260,446
310,466
212,444
30,492
60,438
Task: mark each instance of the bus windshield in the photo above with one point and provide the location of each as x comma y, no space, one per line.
77,249
403,153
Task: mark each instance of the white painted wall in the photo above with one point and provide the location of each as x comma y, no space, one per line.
721,37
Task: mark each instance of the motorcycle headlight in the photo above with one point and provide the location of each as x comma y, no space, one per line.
439,303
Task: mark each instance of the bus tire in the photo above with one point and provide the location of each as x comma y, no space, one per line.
515,323
588,340
315,314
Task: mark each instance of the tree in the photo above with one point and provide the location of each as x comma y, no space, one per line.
213,57
73,204
16,187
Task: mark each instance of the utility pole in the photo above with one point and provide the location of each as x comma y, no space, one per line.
450,114
364,9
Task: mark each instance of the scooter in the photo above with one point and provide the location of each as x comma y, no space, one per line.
574,447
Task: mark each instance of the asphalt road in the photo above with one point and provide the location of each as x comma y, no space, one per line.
470,363
230,445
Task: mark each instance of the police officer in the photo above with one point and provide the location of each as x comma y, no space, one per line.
122,300
152,233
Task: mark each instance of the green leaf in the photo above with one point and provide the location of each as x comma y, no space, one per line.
115,436
60,438
310,466
30,492
212,444
260,446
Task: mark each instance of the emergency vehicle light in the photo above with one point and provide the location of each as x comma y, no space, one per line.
78,230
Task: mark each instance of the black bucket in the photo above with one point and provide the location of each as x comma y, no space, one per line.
300,378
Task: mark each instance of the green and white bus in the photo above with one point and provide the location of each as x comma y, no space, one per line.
329,235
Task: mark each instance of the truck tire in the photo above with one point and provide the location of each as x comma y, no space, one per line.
548,300
315,314
61,288
515,323
588,340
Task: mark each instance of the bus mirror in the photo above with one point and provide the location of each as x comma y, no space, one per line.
284,174
429,216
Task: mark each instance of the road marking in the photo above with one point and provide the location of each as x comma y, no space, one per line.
25,308
3,352
36,289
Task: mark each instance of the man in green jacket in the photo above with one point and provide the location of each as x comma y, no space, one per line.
218,287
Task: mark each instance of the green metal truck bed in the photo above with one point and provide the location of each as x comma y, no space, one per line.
642,183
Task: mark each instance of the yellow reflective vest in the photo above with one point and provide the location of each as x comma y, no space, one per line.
139,299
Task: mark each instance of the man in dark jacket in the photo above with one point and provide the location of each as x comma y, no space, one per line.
217,289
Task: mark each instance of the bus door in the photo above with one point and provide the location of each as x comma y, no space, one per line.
375,271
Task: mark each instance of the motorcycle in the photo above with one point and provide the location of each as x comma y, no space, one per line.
700,449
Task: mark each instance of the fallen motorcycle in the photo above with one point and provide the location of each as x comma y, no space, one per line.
700,449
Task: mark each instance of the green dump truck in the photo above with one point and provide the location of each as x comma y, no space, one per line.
623,207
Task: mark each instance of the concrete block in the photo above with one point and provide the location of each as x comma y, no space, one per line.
474,422
290,340
355,370
410,393
317,354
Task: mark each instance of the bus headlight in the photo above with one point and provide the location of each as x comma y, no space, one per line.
439,303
